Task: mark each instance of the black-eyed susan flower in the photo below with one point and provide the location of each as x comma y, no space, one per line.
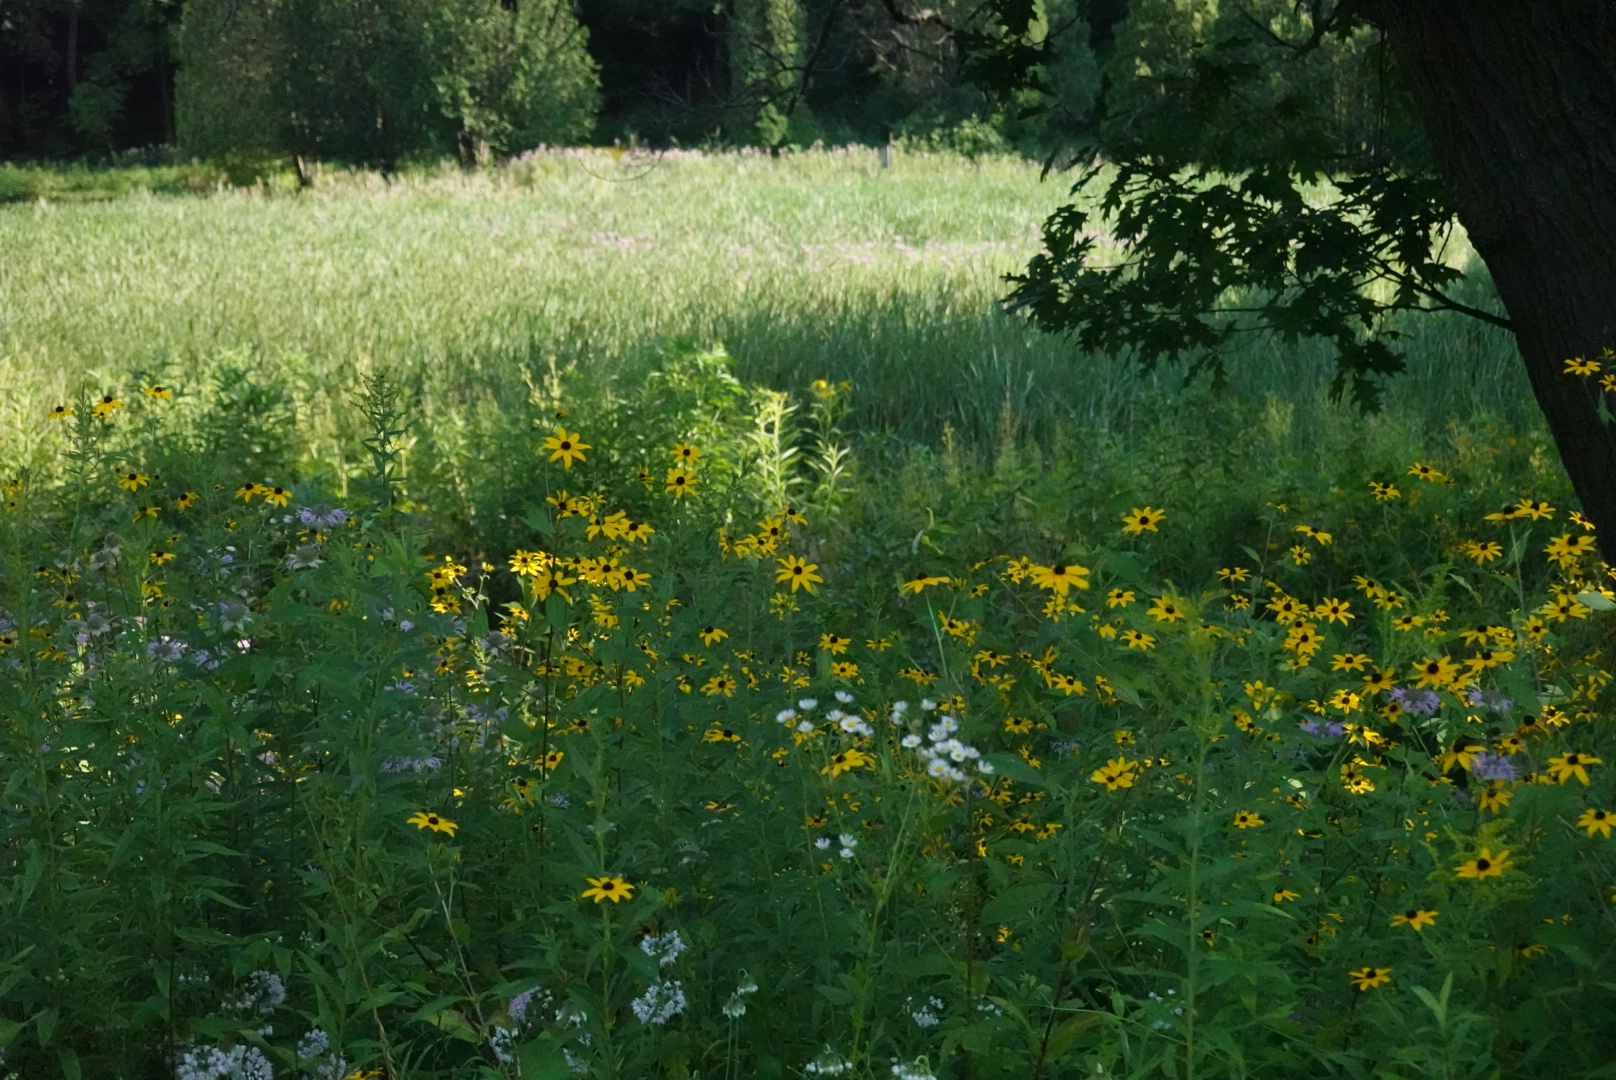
186,500
1486,864
847,760
1165,609
799,572
1578,366
1597,821
1116,773
1119,598
1234,574
1370,977
834,644
1572,766
1426,472
1334,610
1438,672
685,454
104,408
1482,552
1349,661
719,684
276,495
424,820
1282,895
613,888
133,481
1141,518
566,447
1135,639
923,582
1245,819
61,412
158,393
719,735
1415,919
1060,577
711,635
1383,492
681,481
1495,796
1567,549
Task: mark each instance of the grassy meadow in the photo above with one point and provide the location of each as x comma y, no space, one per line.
629,616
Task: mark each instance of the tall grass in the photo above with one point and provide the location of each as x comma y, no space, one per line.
817,264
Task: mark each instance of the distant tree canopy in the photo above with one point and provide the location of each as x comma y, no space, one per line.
376,81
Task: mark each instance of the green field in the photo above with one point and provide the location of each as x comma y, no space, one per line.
805,266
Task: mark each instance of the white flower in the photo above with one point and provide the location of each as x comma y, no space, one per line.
928,704
848,840
844,697
938,769
834,715
898,709
985,768
660,1003
911,741
850,724
805,726
807,704
785,716
846,853
822,843
664,948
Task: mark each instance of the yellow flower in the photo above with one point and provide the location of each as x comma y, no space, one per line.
1349,661
1425,472
1495,796
1317,535
247,491
1567,766
1484,865
924,581
1368,978
1116,773
278,496
424,820
1282,895
161,393
798,571
681,481
1578,366
528,563
1483,552
851,758
711,634
1383,492
719,684
1600,821
61,412
685,454
844,669
564,447
718,735
614,888
1060,577
1141,518
833,644
1163,609
106,407
1566,550
186,500
1247,820
133,481
1136,640
1234,575
1119,598
1438,673
1415,919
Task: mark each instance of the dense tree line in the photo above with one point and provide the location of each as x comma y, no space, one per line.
376,81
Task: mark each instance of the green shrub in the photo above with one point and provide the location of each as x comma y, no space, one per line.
307,777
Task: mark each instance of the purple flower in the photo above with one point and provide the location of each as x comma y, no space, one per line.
1492,767
322,516
165,649
1310,726
1334,729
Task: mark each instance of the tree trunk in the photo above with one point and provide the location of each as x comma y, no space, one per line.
1518,99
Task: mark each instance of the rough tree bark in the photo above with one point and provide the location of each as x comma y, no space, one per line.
1518,98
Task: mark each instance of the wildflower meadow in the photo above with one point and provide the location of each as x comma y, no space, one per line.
687,725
